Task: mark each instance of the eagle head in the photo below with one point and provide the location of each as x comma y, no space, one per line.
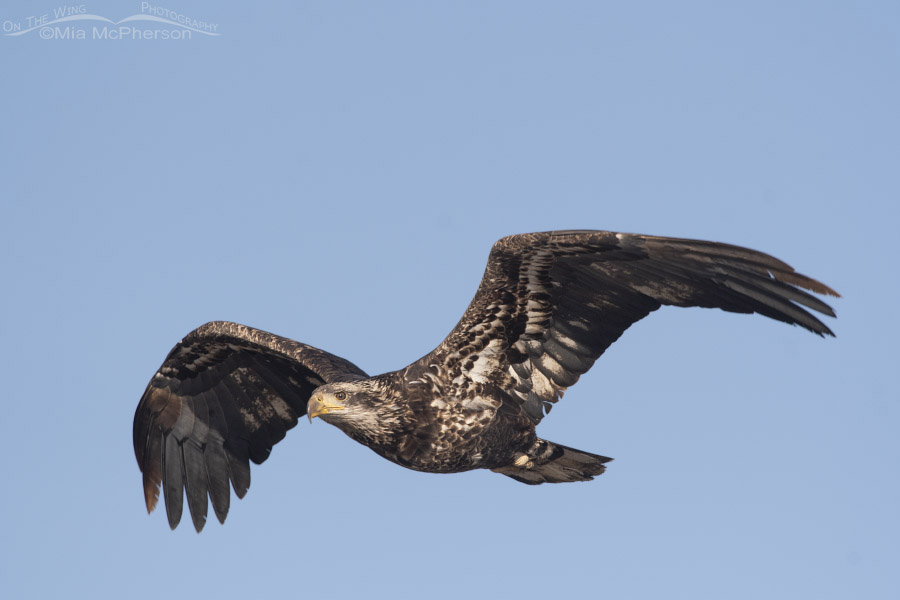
355,407
333,402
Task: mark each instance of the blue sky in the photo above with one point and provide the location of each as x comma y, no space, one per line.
336,173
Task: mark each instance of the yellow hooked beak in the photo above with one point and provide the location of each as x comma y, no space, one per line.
317,406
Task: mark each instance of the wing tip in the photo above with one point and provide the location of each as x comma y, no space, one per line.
151,496
199,522
802,281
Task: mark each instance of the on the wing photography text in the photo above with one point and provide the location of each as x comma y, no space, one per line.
75,22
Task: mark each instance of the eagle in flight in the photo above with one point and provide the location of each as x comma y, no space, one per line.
548,306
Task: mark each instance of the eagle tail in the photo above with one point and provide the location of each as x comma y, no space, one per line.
554,463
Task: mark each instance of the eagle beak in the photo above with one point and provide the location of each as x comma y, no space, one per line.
317,406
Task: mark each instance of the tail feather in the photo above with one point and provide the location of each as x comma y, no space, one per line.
555,463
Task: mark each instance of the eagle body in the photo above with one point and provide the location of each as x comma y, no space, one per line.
548,306
414,423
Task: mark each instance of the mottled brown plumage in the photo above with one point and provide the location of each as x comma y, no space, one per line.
548,306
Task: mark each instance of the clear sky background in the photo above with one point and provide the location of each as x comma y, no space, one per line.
336,173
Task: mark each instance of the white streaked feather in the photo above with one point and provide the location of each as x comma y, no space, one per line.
543,387
550,364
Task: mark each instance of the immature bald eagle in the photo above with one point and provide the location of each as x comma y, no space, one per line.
548,306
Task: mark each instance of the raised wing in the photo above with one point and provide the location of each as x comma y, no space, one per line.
550,304
225,395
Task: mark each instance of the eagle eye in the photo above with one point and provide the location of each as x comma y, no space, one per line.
341,396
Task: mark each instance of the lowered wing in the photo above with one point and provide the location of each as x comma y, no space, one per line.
225,395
